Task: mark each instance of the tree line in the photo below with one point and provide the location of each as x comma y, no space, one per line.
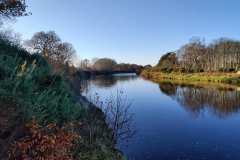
221,55
108,65
62,55
50,46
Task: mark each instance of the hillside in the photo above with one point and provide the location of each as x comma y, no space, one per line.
40,116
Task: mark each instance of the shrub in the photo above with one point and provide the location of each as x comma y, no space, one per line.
29,80
50,142
38,93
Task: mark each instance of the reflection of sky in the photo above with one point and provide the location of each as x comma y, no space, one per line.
165,130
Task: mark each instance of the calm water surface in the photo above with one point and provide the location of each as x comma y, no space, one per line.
176,122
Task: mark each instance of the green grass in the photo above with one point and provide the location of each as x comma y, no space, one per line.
227,78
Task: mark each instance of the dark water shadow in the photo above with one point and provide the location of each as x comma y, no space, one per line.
111,80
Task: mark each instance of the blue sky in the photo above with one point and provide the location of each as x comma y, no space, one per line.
133,31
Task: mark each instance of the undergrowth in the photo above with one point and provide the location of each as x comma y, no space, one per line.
45,97
29,79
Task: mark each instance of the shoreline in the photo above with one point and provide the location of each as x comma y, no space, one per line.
33,94
219,80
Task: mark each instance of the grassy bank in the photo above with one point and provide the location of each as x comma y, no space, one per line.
206,77
40,116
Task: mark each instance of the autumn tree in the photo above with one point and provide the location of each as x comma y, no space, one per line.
44,43
221,55
104,64
226,55
49,45
192,55
50,143
168,62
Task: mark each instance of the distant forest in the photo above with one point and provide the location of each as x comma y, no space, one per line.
222,55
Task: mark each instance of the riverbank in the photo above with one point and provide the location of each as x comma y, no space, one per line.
206,77
41,117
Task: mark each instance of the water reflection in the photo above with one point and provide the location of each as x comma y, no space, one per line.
164,129
196,99
111,80
105,81
115,106
118,116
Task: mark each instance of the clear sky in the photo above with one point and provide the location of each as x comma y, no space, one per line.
133,31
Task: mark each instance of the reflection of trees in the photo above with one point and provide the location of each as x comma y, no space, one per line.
78,84
116,108
109,81
104,81
221,102
84,85
168,88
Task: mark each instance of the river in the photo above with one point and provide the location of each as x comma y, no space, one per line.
175,122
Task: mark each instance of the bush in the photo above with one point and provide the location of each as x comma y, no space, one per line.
43,95
46,97
50,142
166,69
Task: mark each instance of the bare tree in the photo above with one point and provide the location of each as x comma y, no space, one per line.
48,44
168,62
118,116
64,53
84,64
44,43
192,55
221,55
